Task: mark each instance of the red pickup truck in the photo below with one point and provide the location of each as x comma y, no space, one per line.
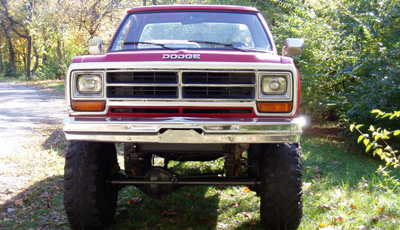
184,83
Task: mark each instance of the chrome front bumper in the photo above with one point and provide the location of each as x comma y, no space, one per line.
183,130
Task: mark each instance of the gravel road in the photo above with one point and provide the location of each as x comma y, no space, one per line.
22,109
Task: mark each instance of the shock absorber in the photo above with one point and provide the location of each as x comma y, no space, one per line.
234,160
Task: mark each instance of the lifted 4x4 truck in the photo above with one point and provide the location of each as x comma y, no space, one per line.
184,83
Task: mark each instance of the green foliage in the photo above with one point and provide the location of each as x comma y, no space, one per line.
374,26
378,141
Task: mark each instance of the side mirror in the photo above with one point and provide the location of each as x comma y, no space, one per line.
293,46
96,46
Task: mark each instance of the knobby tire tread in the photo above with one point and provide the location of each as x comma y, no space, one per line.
89,202
281,186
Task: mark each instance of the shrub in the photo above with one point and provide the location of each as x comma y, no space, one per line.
379,141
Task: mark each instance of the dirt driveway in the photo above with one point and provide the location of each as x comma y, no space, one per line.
22,111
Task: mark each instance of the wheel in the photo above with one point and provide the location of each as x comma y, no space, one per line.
281,186
89,201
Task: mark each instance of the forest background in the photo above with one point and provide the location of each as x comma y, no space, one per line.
351,65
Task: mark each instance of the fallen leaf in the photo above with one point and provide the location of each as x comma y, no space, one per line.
316,169
375,219
325,206
246,190
339,218
135,200
381,210
317,176
18,202
321,225
45,194
237,204
169,213
352,206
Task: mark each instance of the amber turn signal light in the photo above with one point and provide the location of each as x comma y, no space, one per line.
275,107
88,105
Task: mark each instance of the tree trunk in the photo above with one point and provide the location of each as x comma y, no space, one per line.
61,60
28,58
29,38
59,54
1,62
11,54
36,60
154,2
10,48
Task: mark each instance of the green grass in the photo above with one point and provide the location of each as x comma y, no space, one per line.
341,191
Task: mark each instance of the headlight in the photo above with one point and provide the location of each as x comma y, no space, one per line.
89,84
274,85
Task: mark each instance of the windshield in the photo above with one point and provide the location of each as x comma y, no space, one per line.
192,30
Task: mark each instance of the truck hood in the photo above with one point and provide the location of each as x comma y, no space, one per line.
185,55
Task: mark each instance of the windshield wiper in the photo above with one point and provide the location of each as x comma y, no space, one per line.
228,45
149,43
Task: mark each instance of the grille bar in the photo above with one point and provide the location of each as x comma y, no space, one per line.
142,77
218,78
219,92
141,92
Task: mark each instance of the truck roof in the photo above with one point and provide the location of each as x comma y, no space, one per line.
193,7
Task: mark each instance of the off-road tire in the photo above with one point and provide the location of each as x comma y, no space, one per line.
89,201
281,186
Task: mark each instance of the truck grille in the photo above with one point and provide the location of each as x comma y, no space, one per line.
181,85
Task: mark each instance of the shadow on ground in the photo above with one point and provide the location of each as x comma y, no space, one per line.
188,208
38,207
55,139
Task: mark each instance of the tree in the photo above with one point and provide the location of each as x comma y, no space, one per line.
15,14
9,45
4,23
90,14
